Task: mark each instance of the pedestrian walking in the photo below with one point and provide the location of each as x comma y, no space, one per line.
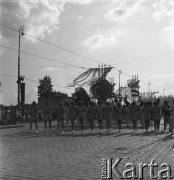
172,118
140,116
91,115
73,115
134,116
150,108
127,114
81,115
60,117
120,116
34,116
167,114
147,116
156,115
99,111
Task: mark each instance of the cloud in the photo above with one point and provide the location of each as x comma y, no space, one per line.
80,17
163,8
51,69
39,17
120,10
79,2
99,40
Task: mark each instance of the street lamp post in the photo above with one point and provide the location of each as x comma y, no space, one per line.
21,32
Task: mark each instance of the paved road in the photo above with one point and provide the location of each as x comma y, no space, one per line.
77,157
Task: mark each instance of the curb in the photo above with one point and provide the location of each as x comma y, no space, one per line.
10,126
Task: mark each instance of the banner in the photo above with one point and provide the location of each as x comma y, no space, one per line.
90,76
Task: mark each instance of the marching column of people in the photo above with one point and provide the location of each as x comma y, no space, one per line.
145,114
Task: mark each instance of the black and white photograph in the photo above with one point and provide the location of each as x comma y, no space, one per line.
86,89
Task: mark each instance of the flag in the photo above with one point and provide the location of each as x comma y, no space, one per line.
90,76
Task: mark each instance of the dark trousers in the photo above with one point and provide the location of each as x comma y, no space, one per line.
72,123
100,123
45,124
81,120
36,125
134,123
119,124
91,123
166,120
108,123
156,124
58,124
146,123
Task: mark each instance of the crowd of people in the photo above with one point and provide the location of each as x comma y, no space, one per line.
102,114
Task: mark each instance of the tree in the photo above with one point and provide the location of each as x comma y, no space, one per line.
45,87
80,94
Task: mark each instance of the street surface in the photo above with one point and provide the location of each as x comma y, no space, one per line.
45,156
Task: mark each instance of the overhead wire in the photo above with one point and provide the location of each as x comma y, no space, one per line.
143,58
42,57
57,46
70,51
34,80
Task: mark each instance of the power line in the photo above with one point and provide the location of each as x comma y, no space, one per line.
24,52
143,58
138,59
35,66
70,51
62,48
8,27
34,80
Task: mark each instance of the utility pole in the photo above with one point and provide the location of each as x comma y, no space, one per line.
21,32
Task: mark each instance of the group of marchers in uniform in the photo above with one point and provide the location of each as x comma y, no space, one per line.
105,114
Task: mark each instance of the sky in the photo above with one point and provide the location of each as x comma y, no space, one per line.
136,36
